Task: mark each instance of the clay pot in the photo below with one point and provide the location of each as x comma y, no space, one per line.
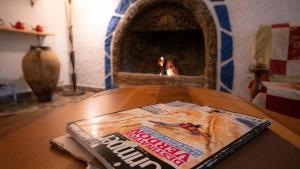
41,71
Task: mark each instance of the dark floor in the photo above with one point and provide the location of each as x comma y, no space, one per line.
31,104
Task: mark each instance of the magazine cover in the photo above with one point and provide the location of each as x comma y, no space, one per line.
173,135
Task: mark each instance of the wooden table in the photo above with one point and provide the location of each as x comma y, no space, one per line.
26,146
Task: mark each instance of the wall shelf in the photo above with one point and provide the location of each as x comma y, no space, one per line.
25,31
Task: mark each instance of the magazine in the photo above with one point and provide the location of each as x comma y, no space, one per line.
172,135
66,144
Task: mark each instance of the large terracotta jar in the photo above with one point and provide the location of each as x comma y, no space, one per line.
41,71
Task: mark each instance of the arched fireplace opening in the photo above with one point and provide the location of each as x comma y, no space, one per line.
156,37
163,32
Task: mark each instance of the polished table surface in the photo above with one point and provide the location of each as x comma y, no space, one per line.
26,145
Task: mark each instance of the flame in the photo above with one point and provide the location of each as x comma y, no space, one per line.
161,61
170,72
170,68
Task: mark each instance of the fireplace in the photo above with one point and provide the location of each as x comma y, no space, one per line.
142,51
178,32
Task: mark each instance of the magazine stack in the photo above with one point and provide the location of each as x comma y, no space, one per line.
161,136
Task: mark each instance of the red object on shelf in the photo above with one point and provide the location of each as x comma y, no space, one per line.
18,25
38,28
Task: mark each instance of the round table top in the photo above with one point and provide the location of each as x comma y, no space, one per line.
27,145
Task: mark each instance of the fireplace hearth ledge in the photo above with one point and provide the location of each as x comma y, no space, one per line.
127,79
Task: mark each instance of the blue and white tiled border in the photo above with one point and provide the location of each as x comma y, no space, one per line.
218,10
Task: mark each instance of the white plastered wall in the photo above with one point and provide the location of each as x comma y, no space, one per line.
91,19
13,46
246,16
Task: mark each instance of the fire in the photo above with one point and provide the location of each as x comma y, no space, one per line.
170,72
170,68
167,67
161,64
161,61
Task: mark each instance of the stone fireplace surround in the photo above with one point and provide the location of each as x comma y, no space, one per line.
116,34
203,20
164,29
